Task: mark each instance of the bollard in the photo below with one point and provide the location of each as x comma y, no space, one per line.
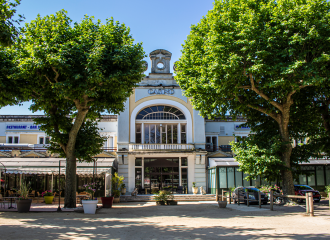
311,204
229,197
307,203
222,195
271,200
329,200
238,197
259,198
247,199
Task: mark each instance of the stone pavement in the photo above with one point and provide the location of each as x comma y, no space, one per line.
188,220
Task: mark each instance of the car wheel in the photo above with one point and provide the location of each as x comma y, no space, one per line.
264,203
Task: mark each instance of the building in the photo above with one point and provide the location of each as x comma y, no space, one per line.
158,142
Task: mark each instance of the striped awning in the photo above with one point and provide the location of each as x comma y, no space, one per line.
51,166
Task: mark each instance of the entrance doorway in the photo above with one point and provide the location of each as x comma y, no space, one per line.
161,174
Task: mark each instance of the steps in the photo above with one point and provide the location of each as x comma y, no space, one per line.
177,197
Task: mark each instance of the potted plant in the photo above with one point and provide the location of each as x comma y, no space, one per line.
48,196
194,188
107,201
164,197
116,183
89,205
23,203
123,189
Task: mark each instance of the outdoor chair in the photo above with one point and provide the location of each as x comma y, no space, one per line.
38,194
32,194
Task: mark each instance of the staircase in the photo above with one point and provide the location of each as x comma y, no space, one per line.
177,197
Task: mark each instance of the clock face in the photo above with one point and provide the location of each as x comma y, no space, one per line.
160,65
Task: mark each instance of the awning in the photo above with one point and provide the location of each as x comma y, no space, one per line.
51,166
231,162
226,162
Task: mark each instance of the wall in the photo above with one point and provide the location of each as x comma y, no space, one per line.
225,140
3,139
29,138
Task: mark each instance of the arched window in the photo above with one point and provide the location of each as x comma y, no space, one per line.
150,130
160,113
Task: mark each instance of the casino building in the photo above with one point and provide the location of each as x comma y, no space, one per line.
158,142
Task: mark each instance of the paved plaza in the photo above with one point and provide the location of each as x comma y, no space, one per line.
188,220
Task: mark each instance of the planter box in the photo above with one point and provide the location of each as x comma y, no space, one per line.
195,190
158,203
89,206
48,199
23,205
172,202
123,191
116,200
107,202
222,204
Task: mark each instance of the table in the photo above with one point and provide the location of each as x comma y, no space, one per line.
11,201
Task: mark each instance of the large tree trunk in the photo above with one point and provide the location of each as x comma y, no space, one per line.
287,177
71,164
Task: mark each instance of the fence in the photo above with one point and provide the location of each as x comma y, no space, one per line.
308,199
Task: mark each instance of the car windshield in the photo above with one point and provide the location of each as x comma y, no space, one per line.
304,187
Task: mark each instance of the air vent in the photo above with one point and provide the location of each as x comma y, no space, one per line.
222,130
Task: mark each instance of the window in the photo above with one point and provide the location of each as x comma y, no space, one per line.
47,140
13,139
41,140
183,133
160,113
138,133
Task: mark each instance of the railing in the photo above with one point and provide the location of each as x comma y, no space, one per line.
41,149
213,148
161,146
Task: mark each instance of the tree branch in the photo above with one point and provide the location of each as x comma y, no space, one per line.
263,95
57,75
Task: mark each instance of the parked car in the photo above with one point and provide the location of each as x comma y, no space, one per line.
253,194
303,189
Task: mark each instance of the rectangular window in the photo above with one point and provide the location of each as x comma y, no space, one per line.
230,176
41,140
138,162
15,139
183,134
47,140
138,178
222,177
146,133
184,162
138,133
175,133
10,139
238,177
327,174
319,176
246,183
169,133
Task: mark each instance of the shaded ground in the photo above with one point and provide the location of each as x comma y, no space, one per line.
188,220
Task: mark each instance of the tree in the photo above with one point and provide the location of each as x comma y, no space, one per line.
10,94
76,72
252,54
8,30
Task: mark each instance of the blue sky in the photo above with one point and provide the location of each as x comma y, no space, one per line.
157,24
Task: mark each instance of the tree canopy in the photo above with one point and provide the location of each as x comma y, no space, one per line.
8,31
76,72
257,55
